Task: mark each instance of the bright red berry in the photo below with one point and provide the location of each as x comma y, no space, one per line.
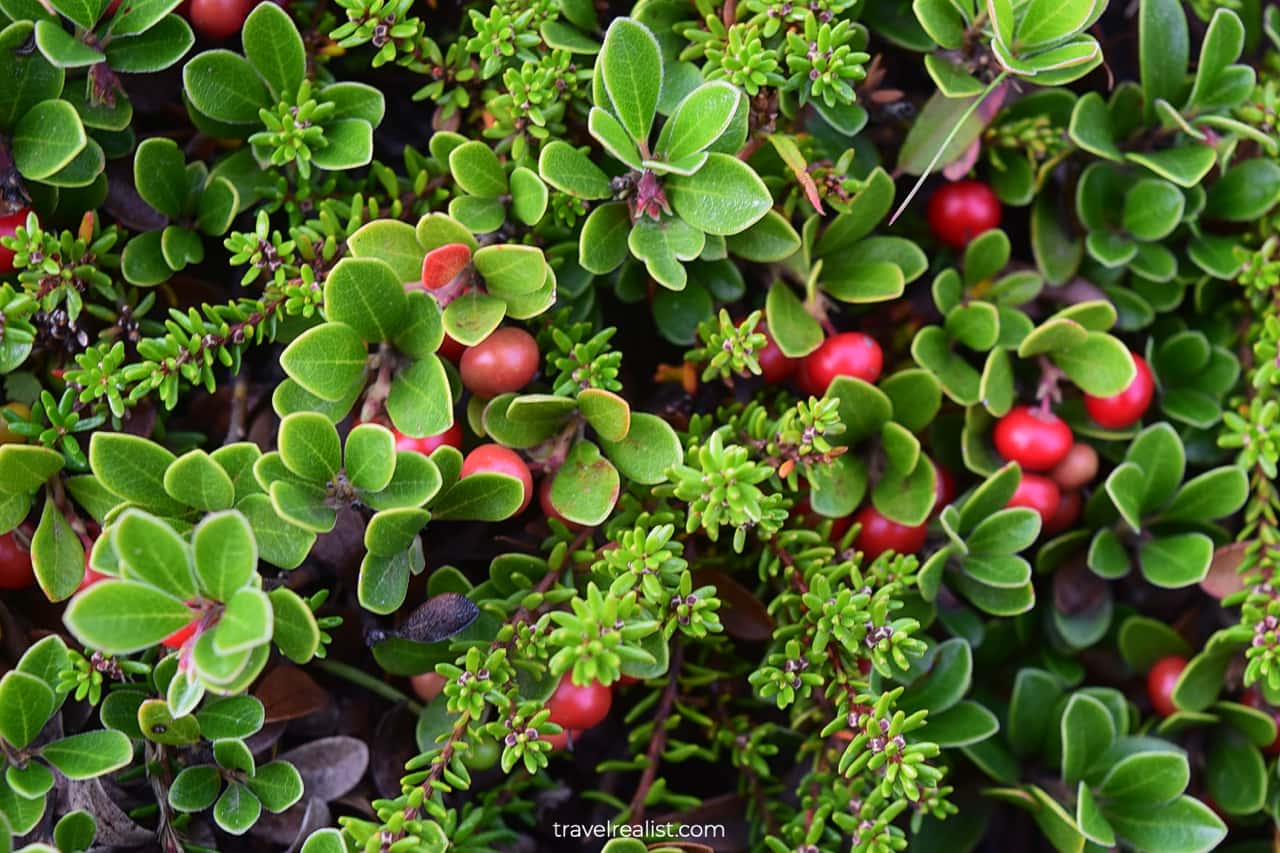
960,211
500,460
1127,407
9,224
846,354
775,368
220,19
1253,699
90,576
442,265
1036,439
1161,680
1038,493
428,443
15,564
575,707
178,638
879,534
505,361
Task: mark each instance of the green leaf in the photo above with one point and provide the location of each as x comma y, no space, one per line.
57,554
392,531
663,245
471,318
391,241
511,269
602,245
630,66
245,623
325,841
62,48
769,240
326,360
125,616
366,295
420,402
586,486
932,126
698,121
725,196
529,196
237,809
137,16
608,413
1152,209
1045,22
1087,733
309,446
481,497
280,543
1143,641
1163,51
1176,561
1246,192
74,832
295,631
85,13
31,77
1152,778
46,138
416,480
277,784
274,49
1211,495
384,580
1184,826
160,47
26,704
231,717
1185,165
796,332
476,169
1100,366
194,789
25,468
571,171
1028,724
151,551
196,480
1235,774
349,145
223,86
650,449
89,754
946,681
370,456
226,554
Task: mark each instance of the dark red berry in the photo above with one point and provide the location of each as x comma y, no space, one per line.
16,571
775,368
505,361
9,224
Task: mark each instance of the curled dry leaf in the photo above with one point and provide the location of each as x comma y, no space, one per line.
330,767
287,693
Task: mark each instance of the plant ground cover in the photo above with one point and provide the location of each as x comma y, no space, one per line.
835,426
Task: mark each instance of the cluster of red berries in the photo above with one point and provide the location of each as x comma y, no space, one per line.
1054,466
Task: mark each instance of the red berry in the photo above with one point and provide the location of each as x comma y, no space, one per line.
1066,515
1077,468
1035,439
960,211
846,354
775,368
15,564
944,488
574,707
1127,407
500,460
1161,680
450,349
428,685
802,512
427,444
879,534
442,265
219,19
1253,699
178,638
505,361
1038,493
90,576
563,740
9,224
